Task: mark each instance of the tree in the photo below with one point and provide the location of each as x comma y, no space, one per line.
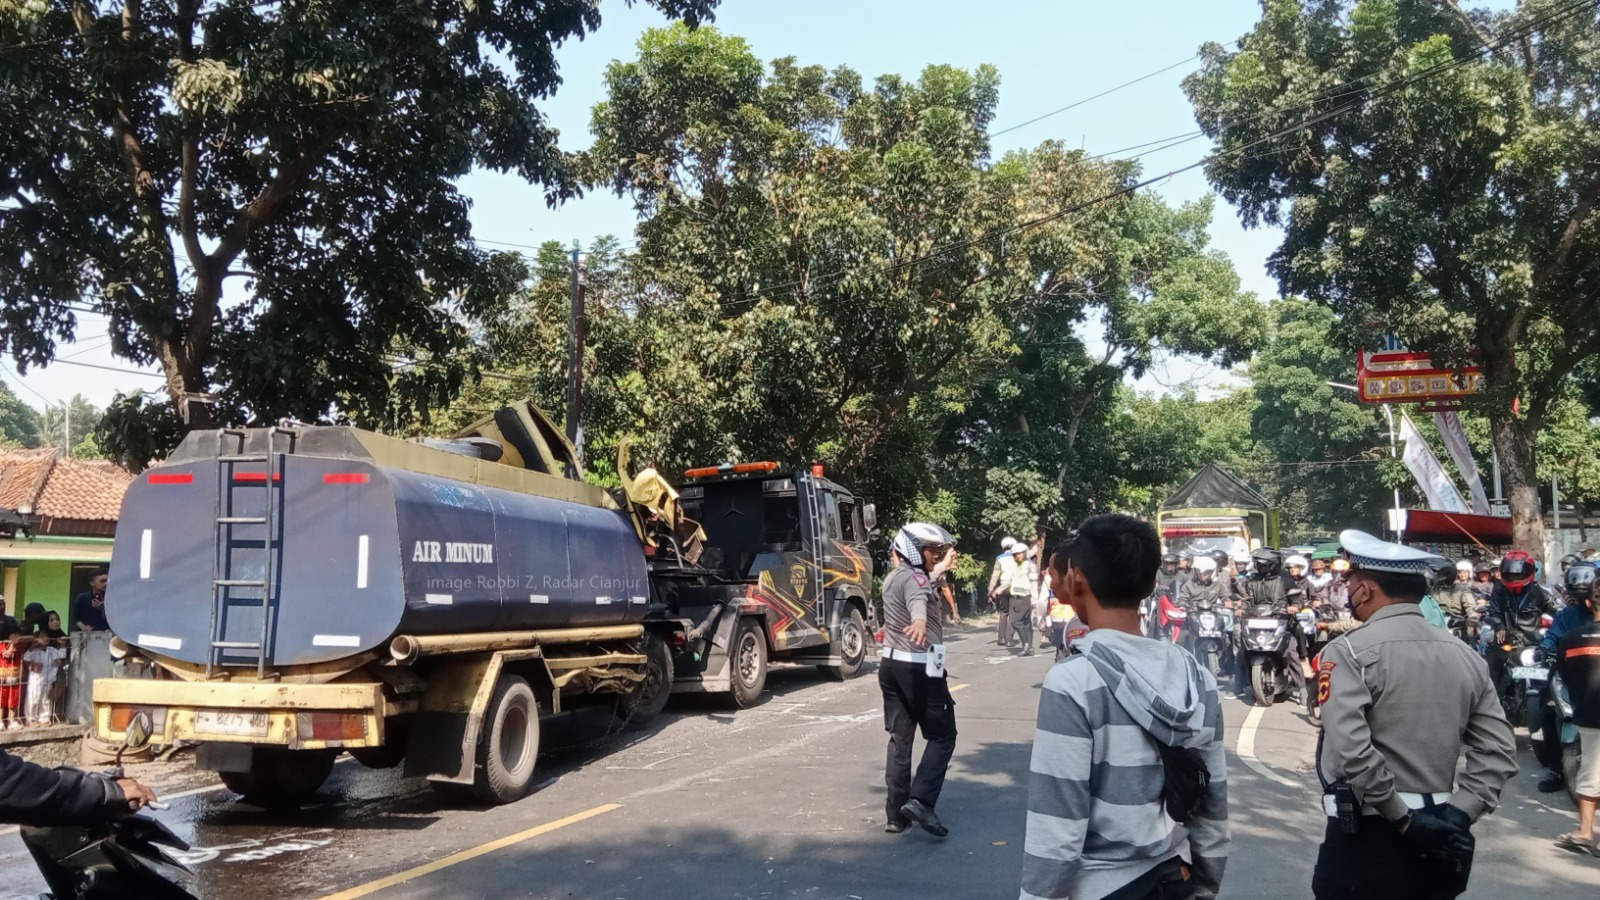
80,414
136,430
309,150
19,422
1435,170
1325,448
869,289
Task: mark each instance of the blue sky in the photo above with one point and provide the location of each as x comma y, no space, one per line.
1049,52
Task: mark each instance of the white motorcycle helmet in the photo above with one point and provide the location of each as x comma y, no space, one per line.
914,537
1204,566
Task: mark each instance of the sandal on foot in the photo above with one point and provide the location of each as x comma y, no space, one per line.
1577,844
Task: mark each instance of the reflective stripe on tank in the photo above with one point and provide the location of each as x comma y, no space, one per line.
361,563
602,601
439,599
638,601
144,554
160,642
335,640
538,598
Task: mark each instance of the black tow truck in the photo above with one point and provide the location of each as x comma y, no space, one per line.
781,574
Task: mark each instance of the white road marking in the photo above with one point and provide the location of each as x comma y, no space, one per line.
1246,748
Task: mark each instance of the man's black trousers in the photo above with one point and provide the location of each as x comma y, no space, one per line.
912,700
1376,863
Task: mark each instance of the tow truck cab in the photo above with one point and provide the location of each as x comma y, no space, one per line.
783,574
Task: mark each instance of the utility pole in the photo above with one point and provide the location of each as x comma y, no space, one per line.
66,428
575,337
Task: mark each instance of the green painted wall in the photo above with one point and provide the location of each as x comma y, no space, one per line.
44,581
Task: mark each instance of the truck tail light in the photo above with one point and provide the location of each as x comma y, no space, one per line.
331,726
122,715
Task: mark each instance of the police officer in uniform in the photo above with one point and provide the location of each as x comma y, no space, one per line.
911,675
1400,700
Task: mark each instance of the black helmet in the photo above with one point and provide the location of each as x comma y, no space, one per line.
1580,581
1267,562
1221,558
1482,568
1570,560
1441,573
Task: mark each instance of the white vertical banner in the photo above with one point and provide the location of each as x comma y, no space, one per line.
1455,441
1436,485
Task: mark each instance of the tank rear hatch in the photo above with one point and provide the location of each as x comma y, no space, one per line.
355,538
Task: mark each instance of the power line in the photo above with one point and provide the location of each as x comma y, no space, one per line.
1077,103
29,388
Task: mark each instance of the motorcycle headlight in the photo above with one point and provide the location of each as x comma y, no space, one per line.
1528,657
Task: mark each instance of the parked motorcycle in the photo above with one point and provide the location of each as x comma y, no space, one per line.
123,860
1266,654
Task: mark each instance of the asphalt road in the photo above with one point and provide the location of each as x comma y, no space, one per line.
781,801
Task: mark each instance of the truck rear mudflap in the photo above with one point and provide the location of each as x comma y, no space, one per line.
295,716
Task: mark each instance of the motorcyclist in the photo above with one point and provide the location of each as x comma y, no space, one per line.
1201,589
1515,608
1299,595
1185,562
1441,575
1460,604
1270,588
1319,579
1578,583
31,794
1167,578
1482,581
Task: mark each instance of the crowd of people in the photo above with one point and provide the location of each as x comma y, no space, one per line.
33,657
1410,652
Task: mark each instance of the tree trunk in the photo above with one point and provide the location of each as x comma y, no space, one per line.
1514,440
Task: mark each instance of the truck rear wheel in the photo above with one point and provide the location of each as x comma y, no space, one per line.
747,663
650,696
281,777
852,643
508,746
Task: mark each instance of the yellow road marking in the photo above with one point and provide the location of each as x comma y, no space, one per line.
389,881
961,687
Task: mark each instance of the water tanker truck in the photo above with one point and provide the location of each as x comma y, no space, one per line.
306,591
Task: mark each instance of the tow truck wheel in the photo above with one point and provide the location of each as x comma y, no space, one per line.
748,664
852,647
508,746
280,777
650,696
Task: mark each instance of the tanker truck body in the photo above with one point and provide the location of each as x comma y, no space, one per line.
313,590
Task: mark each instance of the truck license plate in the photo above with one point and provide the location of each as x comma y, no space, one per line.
1530,673
238,724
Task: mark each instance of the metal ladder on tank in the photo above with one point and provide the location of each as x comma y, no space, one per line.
222,555
819,552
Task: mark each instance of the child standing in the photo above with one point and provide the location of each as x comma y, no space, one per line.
13,643
43,664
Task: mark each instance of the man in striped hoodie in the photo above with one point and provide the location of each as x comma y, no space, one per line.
1098,827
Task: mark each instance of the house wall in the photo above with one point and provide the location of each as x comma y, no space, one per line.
47,581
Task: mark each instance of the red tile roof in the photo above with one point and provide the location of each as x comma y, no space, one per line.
62,489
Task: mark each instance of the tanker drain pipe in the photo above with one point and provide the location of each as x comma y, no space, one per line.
699,631
407,649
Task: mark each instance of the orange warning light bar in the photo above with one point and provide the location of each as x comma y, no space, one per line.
732,469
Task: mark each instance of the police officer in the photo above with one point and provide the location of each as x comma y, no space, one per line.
912,677
1393,692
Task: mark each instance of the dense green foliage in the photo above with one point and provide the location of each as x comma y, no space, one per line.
307,148
1434,170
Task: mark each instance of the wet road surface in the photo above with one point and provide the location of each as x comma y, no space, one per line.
781,801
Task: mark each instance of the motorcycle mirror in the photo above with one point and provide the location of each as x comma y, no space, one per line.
138,732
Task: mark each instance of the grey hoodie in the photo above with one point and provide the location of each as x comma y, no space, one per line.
1095,816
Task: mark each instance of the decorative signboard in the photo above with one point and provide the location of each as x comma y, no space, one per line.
1405,376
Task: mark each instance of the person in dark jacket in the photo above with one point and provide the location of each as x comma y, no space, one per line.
1514,611
1578,662
89,607
31,794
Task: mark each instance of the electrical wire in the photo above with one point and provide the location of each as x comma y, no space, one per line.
1108,91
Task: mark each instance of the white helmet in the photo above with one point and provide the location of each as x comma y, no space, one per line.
914,537
1205,565
1006,543
1464,565
1296,560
